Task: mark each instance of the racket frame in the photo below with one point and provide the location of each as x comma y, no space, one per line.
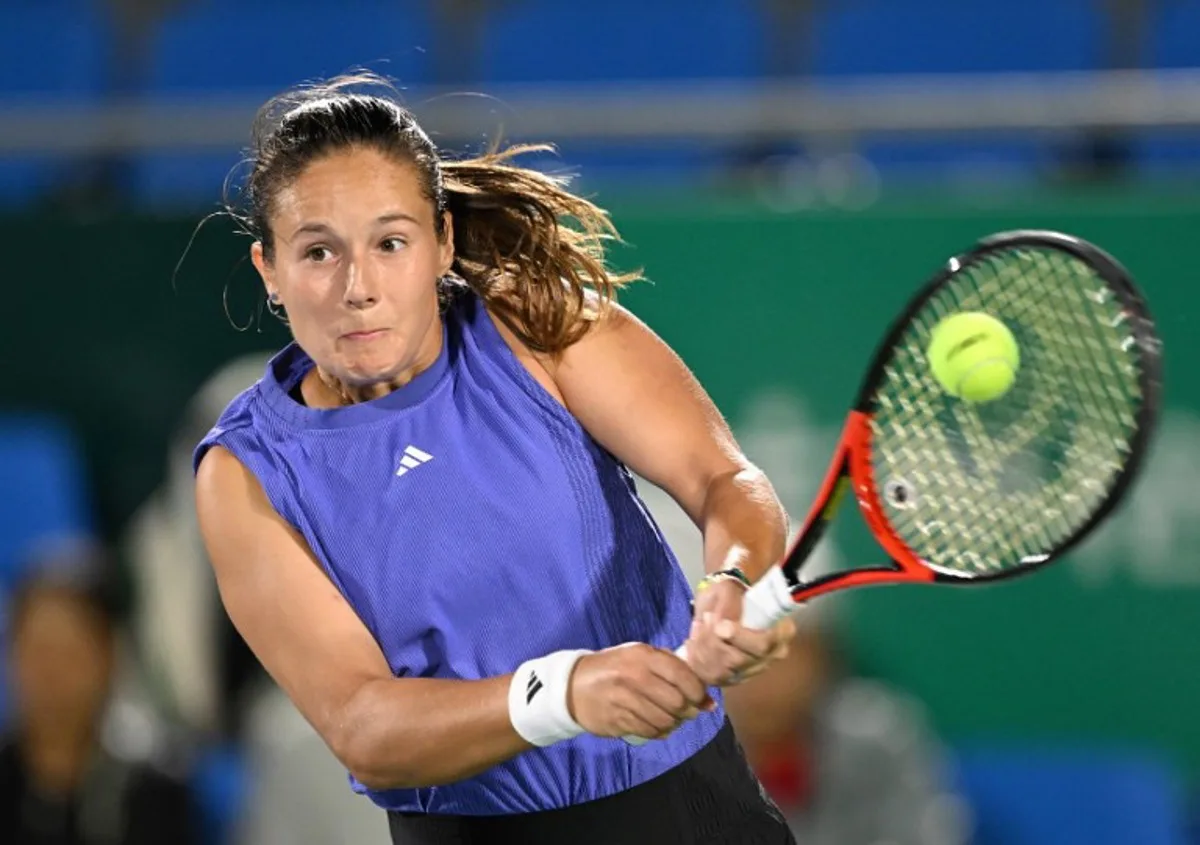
851,468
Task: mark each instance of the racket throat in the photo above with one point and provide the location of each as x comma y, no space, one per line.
838,481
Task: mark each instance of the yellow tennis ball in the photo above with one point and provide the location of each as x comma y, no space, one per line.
973,356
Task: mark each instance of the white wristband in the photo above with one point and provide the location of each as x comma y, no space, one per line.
537,698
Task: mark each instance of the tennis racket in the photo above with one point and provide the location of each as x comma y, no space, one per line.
962,493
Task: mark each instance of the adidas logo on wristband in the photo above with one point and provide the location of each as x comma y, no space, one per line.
533,686
537,698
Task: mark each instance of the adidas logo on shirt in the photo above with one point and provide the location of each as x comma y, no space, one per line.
413,458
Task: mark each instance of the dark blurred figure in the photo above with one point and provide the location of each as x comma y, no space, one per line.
789,39
59,782
103,181
848,760
459,32
1108,153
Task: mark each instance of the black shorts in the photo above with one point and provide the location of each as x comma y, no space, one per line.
712,797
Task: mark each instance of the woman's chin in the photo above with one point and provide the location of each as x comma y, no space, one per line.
365,372
369,367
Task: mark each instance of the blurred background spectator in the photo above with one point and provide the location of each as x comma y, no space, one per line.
787,171
70,772
849,760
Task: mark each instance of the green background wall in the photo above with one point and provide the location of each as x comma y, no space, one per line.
777,314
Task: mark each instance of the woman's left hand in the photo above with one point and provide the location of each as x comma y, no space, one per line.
719,649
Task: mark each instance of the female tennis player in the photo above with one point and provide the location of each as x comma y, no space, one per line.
422,518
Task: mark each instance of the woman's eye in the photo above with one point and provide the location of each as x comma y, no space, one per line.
317,253
392,244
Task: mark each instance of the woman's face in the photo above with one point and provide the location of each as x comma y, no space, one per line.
356,263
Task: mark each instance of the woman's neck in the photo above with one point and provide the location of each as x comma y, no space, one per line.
322,389
331,392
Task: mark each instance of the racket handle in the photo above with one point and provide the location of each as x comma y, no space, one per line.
768,601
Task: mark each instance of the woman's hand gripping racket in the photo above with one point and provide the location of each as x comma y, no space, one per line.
969,490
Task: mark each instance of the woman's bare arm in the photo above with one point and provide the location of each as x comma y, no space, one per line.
388,732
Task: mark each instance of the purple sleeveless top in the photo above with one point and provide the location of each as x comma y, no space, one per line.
473,524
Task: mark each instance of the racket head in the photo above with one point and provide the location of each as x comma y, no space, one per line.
1087,398
962,493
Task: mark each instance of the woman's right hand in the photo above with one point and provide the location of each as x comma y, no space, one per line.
635,690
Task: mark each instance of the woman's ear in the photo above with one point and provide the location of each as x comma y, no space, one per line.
446,247
265,270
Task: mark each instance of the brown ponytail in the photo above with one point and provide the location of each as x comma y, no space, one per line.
530,248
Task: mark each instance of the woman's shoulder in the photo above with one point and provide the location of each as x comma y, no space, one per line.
470,320
240,413
496,333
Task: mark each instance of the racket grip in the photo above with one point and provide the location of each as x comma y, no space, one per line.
768,601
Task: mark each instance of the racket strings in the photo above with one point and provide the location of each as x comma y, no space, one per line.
974,489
